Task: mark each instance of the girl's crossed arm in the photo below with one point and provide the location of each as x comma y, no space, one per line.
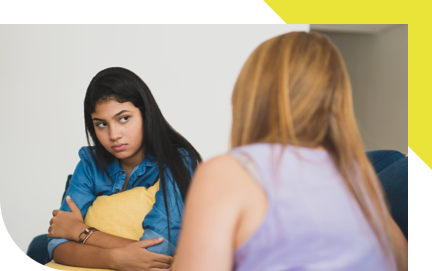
102,250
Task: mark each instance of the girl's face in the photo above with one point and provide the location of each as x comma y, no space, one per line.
119,128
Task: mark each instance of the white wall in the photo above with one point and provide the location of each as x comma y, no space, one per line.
378,68
44,73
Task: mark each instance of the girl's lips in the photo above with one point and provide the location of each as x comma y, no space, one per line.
120,147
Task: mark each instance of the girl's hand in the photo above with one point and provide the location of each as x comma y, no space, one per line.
136,257
67,225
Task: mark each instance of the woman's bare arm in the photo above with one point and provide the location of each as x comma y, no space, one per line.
213,214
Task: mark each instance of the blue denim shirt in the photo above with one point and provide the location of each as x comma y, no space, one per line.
88,182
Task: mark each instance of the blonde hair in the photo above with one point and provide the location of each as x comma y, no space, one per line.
294,89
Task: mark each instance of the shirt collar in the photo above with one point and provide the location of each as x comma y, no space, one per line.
148,161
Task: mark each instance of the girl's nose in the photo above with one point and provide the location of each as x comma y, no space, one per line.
115,133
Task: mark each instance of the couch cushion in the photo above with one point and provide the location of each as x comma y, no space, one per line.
408,186
381,159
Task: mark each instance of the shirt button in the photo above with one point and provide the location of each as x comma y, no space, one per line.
117,190
122,172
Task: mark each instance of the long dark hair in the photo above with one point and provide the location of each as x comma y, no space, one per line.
160,139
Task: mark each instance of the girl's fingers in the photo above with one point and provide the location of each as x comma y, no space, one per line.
163,258
54,213
72,205
150,242
161,265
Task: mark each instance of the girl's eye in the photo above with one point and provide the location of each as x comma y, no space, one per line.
100,125
124,119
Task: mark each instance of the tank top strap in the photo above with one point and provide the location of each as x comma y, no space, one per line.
257,162
248,165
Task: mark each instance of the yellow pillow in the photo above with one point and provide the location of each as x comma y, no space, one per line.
120,214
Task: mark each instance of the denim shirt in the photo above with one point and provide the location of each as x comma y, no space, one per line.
88,182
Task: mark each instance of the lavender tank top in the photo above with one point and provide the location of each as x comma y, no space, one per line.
311,221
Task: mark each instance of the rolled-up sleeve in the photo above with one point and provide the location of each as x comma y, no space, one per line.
155,223
81,191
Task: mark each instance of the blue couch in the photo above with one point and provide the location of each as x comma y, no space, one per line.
407,182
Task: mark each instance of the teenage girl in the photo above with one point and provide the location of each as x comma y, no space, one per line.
297,191
133,145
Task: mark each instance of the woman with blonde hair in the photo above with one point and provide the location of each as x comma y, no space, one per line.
297,191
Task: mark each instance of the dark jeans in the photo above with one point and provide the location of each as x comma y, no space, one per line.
38,249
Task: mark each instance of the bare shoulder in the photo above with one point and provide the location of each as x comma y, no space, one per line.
214,204
220,165
219,174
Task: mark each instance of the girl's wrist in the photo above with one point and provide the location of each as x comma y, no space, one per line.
112,258
78,229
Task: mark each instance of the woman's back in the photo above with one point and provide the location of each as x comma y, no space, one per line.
311,222
293,89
